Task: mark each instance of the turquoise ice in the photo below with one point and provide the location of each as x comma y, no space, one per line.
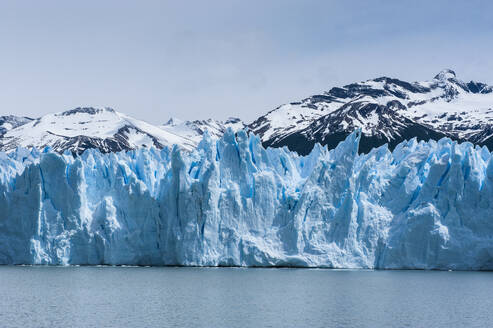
426,205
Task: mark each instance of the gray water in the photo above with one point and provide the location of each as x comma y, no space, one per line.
228,297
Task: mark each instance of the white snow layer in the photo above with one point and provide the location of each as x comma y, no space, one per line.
426,205
102,123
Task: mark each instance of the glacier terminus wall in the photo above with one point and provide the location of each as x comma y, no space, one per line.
230,202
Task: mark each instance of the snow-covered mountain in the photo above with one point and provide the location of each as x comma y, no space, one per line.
83,128
194,130
387,110
105,129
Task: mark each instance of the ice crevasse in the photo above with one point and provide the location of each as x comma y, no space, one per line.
425,205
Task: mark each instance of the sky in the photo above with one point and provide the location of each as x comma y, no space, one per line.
217,59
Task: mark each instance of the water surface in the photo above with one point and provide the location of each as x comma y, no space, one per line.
229,297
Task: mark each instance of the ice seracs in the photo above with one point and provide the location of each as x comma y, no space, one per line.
424,205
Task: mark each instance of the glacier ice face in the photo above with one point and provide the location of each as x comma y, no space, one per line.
426,205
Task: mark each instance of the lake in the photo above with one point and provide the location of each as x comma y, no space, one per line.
240,297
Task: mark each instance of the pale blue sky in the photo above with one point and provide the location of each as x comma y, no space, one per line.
200,59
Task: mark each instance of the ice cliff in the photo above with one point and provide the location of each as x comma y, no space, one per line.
426,205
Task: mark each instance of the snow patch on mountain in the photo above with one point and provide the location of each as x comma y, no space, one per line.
10,122
194,130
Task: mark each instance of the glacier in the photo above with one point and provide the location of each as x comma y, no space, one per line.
231,202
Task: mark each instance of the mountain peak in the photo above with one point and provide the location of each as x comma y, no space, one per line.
387,110
445,74
232,120
87,110
173,121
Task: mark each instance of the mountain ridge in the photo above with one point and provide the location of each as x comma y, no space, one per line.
387,111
